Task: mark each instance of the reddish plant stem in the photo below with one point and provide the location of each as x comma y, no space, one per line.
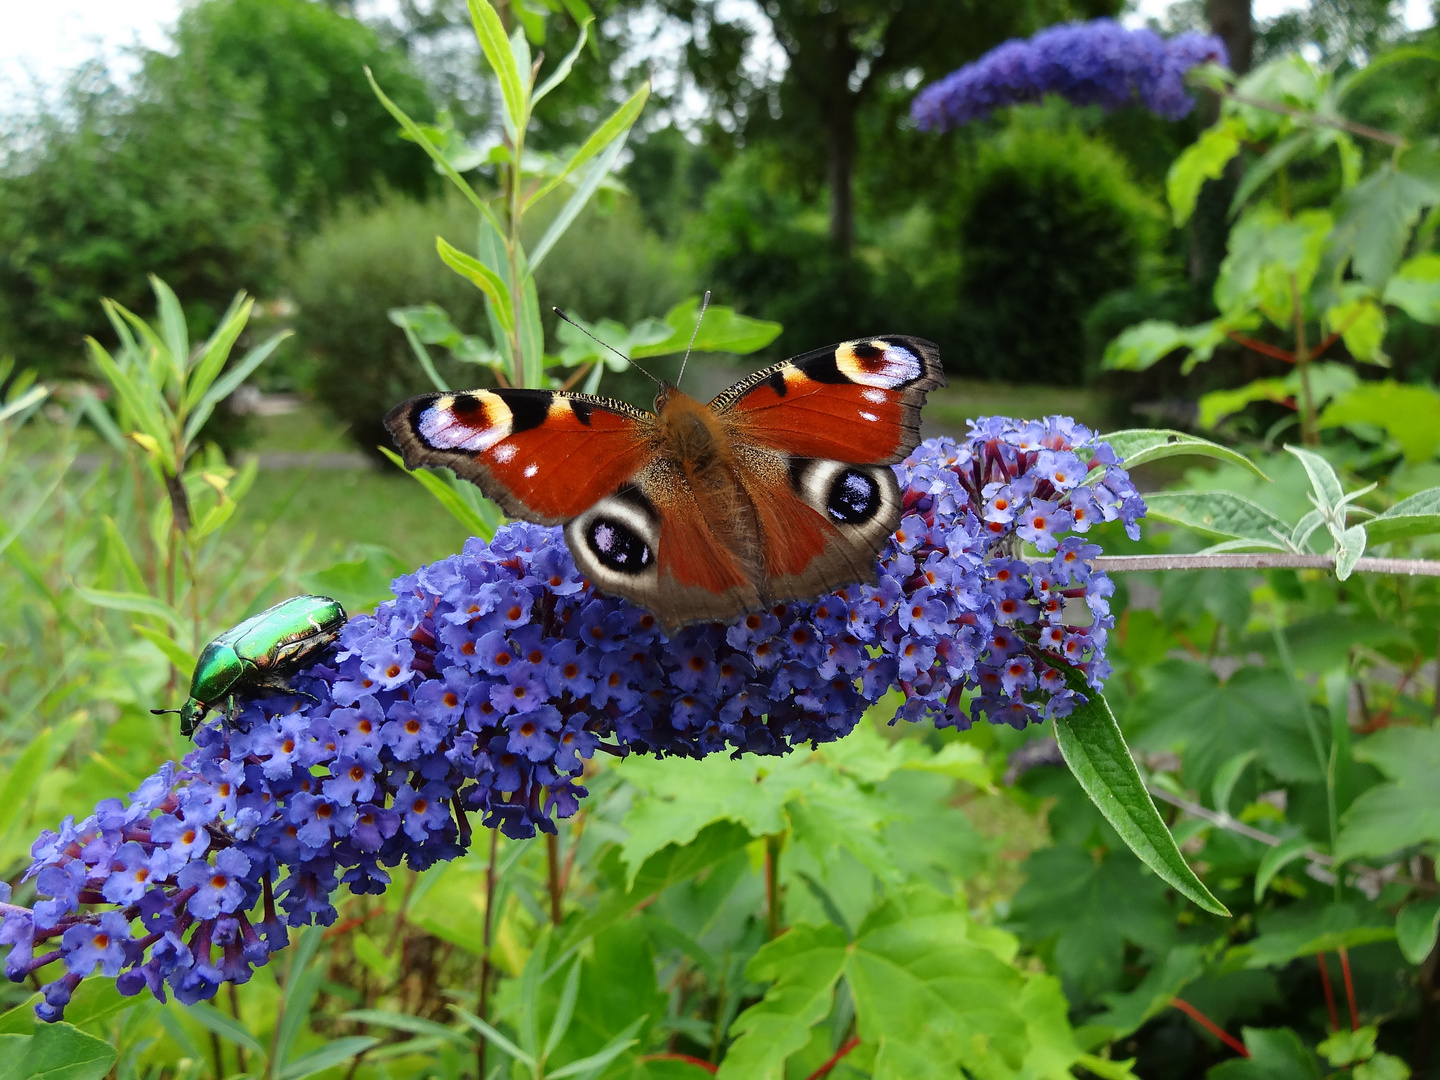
1329,993
1349,988
697,1062
1210,1026
1262,347
845,1047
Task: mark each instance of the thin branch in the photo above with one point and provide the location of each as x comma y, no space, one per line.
1339,122
1210,1026
1264,560
1320,863
1262,347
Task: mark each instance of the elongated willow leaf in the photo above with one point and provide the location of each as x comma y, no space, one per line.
1095,751
1137,446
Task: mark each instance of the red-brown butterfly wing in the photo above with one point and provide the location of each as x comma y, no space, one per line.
543,456
857,402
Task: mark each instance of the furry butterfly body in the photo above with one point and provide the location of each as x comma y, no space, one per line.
778,489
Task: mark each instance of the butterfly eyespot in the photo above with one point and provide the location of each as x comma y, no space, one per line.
854,497
617,546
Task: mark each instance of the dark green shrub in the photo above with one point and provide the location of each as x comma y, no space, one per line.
1049,223
367,261
327,137
169,180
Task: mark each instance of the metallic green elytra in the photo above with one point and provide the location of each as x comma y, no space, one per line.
258,654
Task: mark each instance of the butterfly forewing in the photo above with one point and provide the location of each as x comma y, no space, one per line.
543,456
857,402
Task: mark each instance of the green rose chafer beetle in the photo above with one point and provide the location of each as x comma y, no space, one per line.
259,654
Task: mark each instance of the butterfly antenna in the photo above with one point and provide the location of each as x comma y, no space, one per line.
607,345
693,335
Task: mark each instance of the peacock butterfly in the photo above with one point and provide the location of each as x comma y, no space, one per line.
778,489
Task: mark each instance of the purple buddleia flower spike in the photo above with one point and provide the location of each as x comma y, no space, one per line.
1094,63
494,675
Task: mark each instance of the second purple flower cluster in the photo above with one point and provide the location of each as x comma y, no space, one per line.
1094,63
492,677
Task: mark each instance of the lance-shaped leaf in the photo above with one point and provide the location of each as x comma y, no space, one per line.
437,152
616,124
1093,748
216,350
495,44
1139,446
1219,515
1419,515
228,383
483,278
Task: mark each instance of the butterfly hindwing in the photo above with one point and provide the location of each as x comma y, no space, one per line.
650,543
542,455
857,402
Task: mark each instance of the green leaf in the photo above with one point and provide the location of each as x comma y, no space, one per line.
216,350
148,410
1287,935
1360,321
1419,515
56,1051
1093,748
587,182
615,127
1275,159
1403,811
1188,709
1147,343
591,1066
1088,909
1415,928
1415,288
1376,218
137,602
1204,159
228,383
802,966
495,1037
562,69
176,653
1266,252
437,152
1346,1047
479,517
1324,484
1140,446
1408,412
405,1022
1219,515
721,330
1125,1013
225,1026
1275,860
564,1010
514,83
482,277
172,328
1382,1067
1275,1054
1226,778
335,1052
